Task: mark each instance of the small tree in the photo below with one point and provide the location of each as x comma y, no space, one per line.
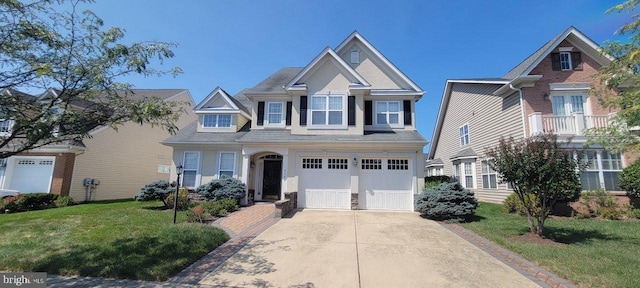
156,190
539,166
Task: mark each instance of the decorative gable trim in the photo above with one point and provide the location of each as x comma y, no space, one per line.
355,35
219,92
297,83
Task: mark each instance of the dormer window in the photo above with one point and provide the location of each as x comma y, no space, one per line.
355,57
216,121
5,126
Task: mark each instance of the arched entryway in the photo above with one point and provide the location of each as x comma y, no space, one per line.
269,177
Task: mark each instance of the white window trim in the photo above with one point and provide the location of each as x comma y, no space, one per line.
282,115
568,60
235,163
488,174
462,177
400,113
568,104
217,121
10,124
310,110
460,136
198,175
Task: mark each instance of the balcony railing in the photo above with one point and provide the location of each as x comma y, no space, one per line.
574,124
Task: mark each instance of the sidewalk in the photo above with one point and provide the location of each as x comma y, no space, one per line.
242,226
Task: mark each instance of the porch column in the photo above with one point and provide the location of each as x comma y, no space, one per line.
245,177
283,184
578,117
535,123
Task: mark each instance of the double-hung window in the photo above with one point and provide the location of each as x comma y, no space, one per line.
489,176
227,164
565,61
464,135
388,113
274,114
328,110
216,121
5,126
190,165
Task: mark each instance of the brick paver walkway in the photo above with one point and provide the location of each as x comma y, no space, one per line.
532,271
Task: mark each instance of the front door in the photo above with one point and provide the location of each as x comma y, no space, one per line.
271,181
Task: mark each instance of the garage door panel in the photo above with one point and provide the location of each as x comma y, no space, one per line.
327,198
32,175
388,186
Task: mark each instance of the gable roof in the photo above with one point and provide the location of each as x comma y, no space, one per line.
312,67
276,82
232,101
357,36
571,34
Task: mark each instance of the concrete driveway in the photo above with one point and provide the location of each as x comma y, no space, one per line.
362,249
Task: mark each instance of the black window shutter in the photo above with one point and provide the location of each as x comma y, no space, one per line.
576,61
407,112
368,112
303,110
289,105
555,62
351,107
260,113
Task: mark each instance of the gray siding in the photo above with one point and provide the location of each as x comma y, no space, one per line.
490,117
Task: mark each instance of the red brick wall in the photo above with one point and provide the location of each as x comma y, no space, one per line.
533,96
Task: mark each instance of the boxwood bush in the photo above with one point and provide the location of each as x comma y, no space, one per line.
447,202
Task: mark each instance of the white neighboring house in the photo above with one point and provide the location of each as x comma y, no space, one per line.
338,131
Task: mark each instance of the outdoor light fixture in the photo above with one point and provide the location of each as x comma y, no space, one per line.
545,96
355,161
175,198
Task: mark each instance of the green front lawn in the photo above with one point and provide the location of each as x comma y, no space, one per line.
129,239
598,253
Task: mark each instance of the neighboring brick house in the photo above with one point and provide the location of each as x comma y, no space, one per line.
340,130
548,92
123,160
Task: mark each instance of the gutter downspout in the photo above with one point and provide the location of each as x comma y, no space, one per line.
524,127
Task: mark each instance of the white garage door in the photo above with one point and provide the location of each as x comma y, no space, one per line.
32,175
386,184
325,183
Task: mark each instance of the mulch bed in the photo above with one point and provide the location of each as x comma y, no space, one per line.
535,239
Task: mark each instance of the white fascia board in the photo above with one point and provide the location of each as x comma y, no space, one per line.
336,60
396,93
518,82
217,91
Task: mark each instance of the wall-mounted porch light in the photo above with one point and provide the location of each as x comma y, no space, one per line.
355,161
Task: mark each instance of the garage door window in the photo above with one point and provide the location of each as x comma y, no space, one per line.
338,164
398,164
372,164
311,163
26,162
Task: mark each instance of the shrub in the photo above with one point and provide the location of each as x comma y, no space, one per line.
30,202
230,205
65,201
630,179
633,213
183,199
449,201
512,204
157,190
439,178
221,207
224,188
600,203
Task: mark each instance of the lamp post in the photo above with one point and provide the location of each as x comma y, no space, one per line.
175,198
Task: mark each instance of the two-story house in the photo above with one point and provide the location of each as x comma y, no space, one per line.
338,130
122,161
547,92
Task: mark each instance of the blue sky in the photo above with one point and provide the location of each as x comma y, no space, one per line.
235,44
